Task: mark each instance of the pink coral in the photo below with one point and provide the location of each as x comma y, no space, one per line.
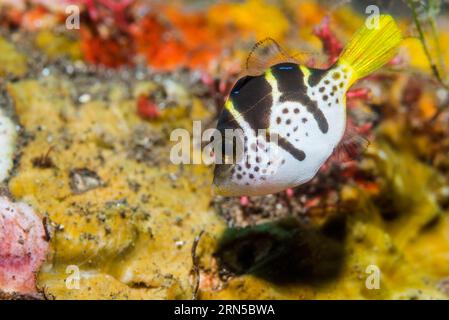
23,247
331,45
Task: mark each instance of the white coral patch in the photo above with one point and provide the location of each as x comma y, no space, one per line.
8,137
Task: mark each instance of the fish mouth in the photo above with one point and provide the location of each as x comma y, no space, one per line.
219,190
222,179
225,190
224,186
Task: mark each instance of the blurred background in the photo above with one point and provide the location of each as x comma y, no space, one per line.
90,92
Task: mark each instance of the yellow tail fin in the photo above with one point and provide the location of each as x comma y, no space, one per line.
369,49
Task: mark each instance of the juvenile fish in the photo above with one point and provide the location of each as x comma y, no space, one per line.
301,113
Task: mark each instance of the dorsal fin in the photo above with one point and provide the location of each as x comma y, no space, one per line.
264,54
268,52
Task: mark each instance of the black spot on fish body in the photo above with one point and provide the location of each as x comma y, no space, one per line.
251,97
311,106
336,75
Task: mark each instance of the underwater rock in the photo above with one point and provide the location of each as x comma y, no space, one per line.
12,63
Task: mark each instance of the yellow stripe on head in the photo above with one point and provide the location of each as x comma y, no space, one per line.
235,114
273,83
270,78
230,107
306,72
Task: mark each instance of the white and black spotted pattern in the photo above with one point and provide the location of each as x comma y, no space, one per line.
306,122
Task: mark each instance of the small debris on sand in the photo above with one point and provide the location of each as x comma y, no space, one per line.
83,180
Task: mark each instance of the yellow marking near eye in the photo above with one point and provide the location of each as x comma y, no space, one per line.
230,106
237,116
270,78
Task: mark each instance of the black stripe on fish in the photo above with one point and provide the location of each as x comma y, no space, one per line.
226,121
289,77
290,148
290,81
316,75
252,98
286,145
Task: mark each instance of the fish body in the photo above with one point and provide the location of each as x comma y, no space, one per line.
291,117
